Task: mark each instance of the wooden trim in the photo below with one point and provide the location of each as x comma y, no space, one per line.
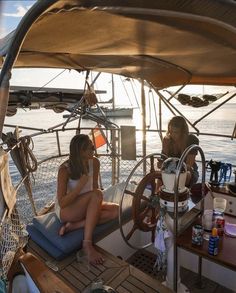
15,269
44,278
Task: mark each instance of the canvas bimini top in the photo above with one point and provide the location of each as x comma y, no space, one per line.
165,42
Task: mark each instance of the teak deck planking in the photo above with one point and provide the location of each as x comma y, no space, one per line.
115,273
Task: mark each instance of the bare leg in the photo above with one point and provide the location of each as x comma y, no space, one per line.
87,208
109,211
92,216
71,226
74,214
86,211
64,229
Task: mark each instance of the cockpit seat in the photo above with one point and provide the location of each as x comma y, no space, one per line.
44,229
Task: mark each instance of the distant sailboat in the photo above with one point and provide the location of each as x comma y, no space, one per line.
112,111
61,99
117,112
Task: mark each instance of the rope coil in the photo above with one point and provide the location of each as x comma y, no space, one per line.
28,158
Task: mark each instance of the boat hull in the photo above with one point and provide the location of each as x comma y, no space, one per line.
114,113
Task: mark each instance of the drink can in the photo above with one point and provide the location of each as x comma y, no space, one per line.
217,214
197,234
220,223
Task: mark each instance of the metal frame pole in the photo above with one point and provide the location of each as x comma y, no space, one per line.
143,124
218,106
176,192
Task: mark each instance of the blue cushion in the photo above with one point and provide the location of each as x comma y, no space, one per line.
42,241
48,226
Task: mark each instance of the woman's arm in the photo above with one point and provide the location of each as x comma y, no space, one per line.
64,198
190,160
96,169
164,152
165,146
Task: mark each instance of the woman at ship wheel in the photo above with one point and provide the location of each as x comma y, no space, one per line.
177,139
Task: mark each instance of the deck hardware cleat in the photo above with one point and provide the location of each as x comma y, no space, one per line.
52,265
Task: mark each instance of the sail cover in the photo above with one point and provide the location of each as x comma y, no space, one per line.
196,100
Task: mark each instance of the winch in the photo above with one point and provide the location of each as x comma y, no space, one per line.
167,192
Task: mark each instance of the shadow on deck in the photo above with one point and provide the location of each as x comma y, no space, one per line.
144,260
75,272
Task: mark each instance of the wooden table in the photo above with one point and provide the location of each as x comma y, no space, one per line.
115,273
222,189
227,247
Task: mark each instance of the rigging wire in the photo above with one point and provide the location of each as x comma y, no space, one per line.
127,94
131,82
154,106
76,106
94,85
149,110
51,80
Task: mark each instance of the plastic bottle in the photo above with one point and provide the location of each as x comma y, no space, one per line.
213,242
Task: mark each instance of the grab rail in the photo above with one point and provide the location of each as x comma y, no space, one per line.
176,188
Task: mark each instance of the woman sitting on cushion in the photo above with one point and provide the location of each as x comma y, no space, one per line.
79,201
177,139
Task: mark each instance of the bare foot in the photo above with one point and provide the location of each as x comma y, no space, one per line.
94,257
70,226
64,229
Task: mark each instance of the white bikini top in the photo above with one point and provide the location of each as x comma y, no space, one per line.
88,186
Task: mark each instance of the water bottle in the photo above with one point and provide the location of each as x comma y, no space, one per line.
213,242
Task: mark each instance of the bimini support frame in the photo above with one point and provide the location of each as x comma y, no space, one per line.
30,17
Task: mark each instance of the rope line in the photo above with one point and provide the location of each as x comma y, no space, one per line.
29,159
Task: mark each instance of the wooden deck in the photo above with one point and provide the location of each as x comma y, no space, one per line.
145,261
116,273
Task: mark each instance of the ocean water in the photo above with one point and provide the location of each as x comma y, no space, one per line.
222,121
217,148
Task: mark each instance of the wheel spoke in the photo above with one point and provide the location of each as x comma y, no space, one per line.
129,192
154,186
128,236
143,197
153,235
144,213
152,164
154,215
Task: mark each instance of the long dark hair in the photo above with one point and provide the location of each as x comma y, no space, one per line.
76,167
180,123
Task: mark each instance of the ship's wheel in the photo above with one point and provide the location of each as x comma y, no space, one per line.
140,198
